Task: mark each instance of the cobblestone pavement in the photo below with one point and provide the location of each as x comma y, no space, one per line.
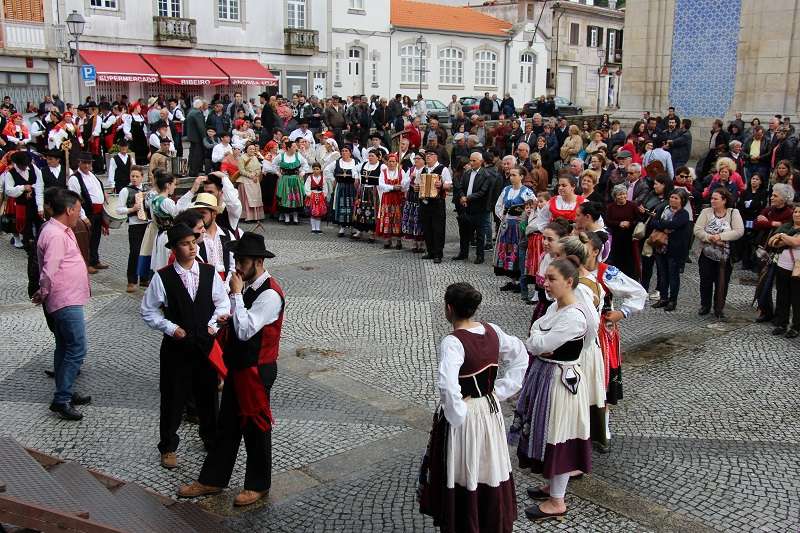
707,437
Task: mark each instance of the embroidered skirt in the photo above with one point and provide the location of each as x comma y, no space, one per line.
534,255
290,193
343,202
366,208
411,226
506,252
316,205
390,215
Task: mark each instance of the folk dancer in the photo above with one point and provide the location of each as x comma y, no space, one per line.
509,208
162,209
345,174
366,206
16,133
229,206
250,355
131,203
64,136
89,187
432,210
390,215
19,181
317,193
184,301
213,247
292,167
119,168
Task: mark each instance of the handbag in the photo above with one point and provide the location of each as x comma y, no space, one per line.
639,230
658,238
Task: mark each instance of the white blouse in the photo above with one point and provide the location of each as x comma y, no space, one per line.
392,174
513,362
628,295
559,326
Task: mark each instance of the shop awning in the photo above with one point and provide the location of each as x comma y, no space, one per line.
119,66
186,70
245,72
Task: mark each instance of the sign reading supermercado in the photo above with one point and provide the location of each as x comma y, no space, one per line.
135,78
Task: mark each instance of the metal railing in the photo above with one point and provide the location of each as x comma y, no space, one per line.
300,41
172,31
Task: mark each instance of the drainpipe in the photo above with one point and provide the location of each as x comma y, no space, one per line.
558,40
505,66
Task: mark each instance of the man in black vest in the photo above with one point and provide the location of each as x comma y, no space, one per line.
213,247
184,301
119,167
19,182
472,204
432,210
90,189
218,184
250,357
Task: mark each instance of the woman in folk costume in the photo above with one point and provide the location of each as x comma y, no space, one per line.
16,132
154,254
269,181
368,201
411,225
466,483
564,204
249,184
623,297
551,419
390,214
510,208
292,167
317,193
230,163
345,172
134,127
307,150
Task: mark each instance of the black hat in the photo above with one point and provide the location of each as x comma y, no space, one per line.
91,103
165,140
178,232
58,154
250,245
264,95
105,106
302,120
85,157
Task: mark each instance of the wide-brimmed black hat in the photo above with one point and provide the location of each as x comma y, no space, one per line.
85,157
250,245
54,153
178,232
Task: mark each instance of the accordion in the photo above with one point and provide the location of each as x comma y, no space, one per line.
427,186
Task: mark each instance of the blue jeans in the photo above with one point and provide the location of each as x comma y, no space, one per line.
669,276
69,328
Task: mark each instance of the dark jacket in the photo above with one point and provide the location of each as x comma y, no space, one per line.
752,203
195,129
481,188
314,115
268,121
763,152
496,187
616,139
507,107
485,106
381,117
219,122
679,231
640,191
681,148
441,136
334,118
786,149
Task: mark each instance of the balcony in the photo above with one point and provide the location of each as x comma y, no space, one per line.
32,39
615,56
175,32
301,42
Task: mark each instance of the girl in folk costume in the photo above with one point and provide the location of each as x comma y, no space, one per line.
317,193
344,171
230,163
533,231
551,419
466,482
134,127
154,254
509,209
411,225
292,167
628,297
16,132
249,184
269,182
550,236
591,293
368,201
564,204
390,214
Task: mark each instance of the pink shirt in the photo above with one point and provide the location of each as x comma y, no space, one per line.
63,278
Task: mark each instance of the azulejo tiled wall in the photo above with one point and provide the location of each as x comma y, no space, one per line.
704,43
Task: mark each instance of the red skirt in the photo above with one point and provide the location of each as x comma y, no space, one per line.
534,256
390,216
612,360
20,216
316,205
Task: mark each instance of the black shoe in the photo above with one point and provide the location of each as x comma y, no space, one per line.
720,315
460,257
659,304
50,374
416,250
600,448
398,246
791,334
535,493
66,411
704,311
508,286
387,245
764,318
340,235
488,247
534,513
670,306
437,260
478,261
516,288
780,330
427,256
77,399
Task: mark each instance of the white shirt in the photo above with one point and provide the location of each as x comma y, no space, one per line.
392,175
93,185
112,166
264,311
628,295
559,326
298,133
230,201
220,151
513,360
155,297
122,207
155,142
15,191
499,207
545,217
472,175
447,178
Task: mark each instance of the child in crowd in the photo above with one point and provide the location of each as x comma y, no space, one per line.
131,203
534,251
317,192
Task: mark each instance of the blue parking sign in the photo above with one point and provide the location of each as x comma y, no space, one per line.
88,73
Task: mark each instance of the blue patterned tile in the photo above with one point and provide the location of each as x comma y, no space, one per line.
703,72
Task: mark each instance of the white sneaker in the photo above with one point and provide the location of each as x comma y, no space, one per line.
655,295
17,242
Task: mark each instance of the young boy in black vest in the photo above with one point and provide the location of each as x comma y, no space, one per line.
129,203
184,301
250,355
120,166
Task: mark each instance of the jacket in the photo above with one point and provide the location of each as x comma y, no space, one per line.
481,188
334,118
640,190
681,148
736,180
195,126
678,228
763,152
485,106
219,122
733,234
571,147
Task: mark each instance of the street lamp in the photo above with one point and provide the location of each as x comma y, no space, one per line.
75,25
421,44
601,54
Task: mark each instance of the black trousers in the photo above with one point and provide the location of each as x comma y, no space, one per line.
432,218
787,290
178,141
135,238
95,233
197,155
219,463
713,283
472,225
185,373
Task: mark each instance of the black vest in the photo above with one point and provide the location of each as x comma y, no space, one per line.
343,175
51,180
132,192
243,354
19,180
224,240
122,175
192,316
85,196
224,222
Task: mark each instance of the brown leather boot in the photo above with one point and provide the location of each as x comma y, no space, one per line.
169,460
248,497
195,489
131,287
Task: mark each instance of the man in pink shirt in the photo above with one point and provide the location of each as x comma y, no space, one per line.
64,290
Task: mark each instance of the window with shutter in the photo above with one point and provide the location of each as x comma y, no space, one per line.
592,36
24,10
599,37
574,33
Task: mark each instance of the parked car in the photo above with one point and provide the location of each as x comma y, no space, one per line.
469,105
563,107
436,107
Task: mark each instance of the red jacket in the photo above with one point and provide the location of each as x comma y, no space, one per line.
414,136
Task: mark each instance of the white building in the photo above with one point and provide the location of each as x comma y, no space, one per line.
202,46
375,50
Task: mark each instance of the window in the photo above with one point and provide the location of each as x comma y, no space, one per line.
23,10
527,61
354,64
412,64
296,13
338,72
529,11
169,8
594,37
228,10
486,68
104,4
574,33
357,4
451,66
375,73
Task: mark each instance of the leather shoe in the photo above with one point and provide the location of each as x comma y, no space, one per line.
101,266
437,260
66,411
195,489
77,399
534,513
780,330
169,460
704,311
535,493
91,270
248,497
478,261
427,256
659,304
670,306
460,257
763,318
791,334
